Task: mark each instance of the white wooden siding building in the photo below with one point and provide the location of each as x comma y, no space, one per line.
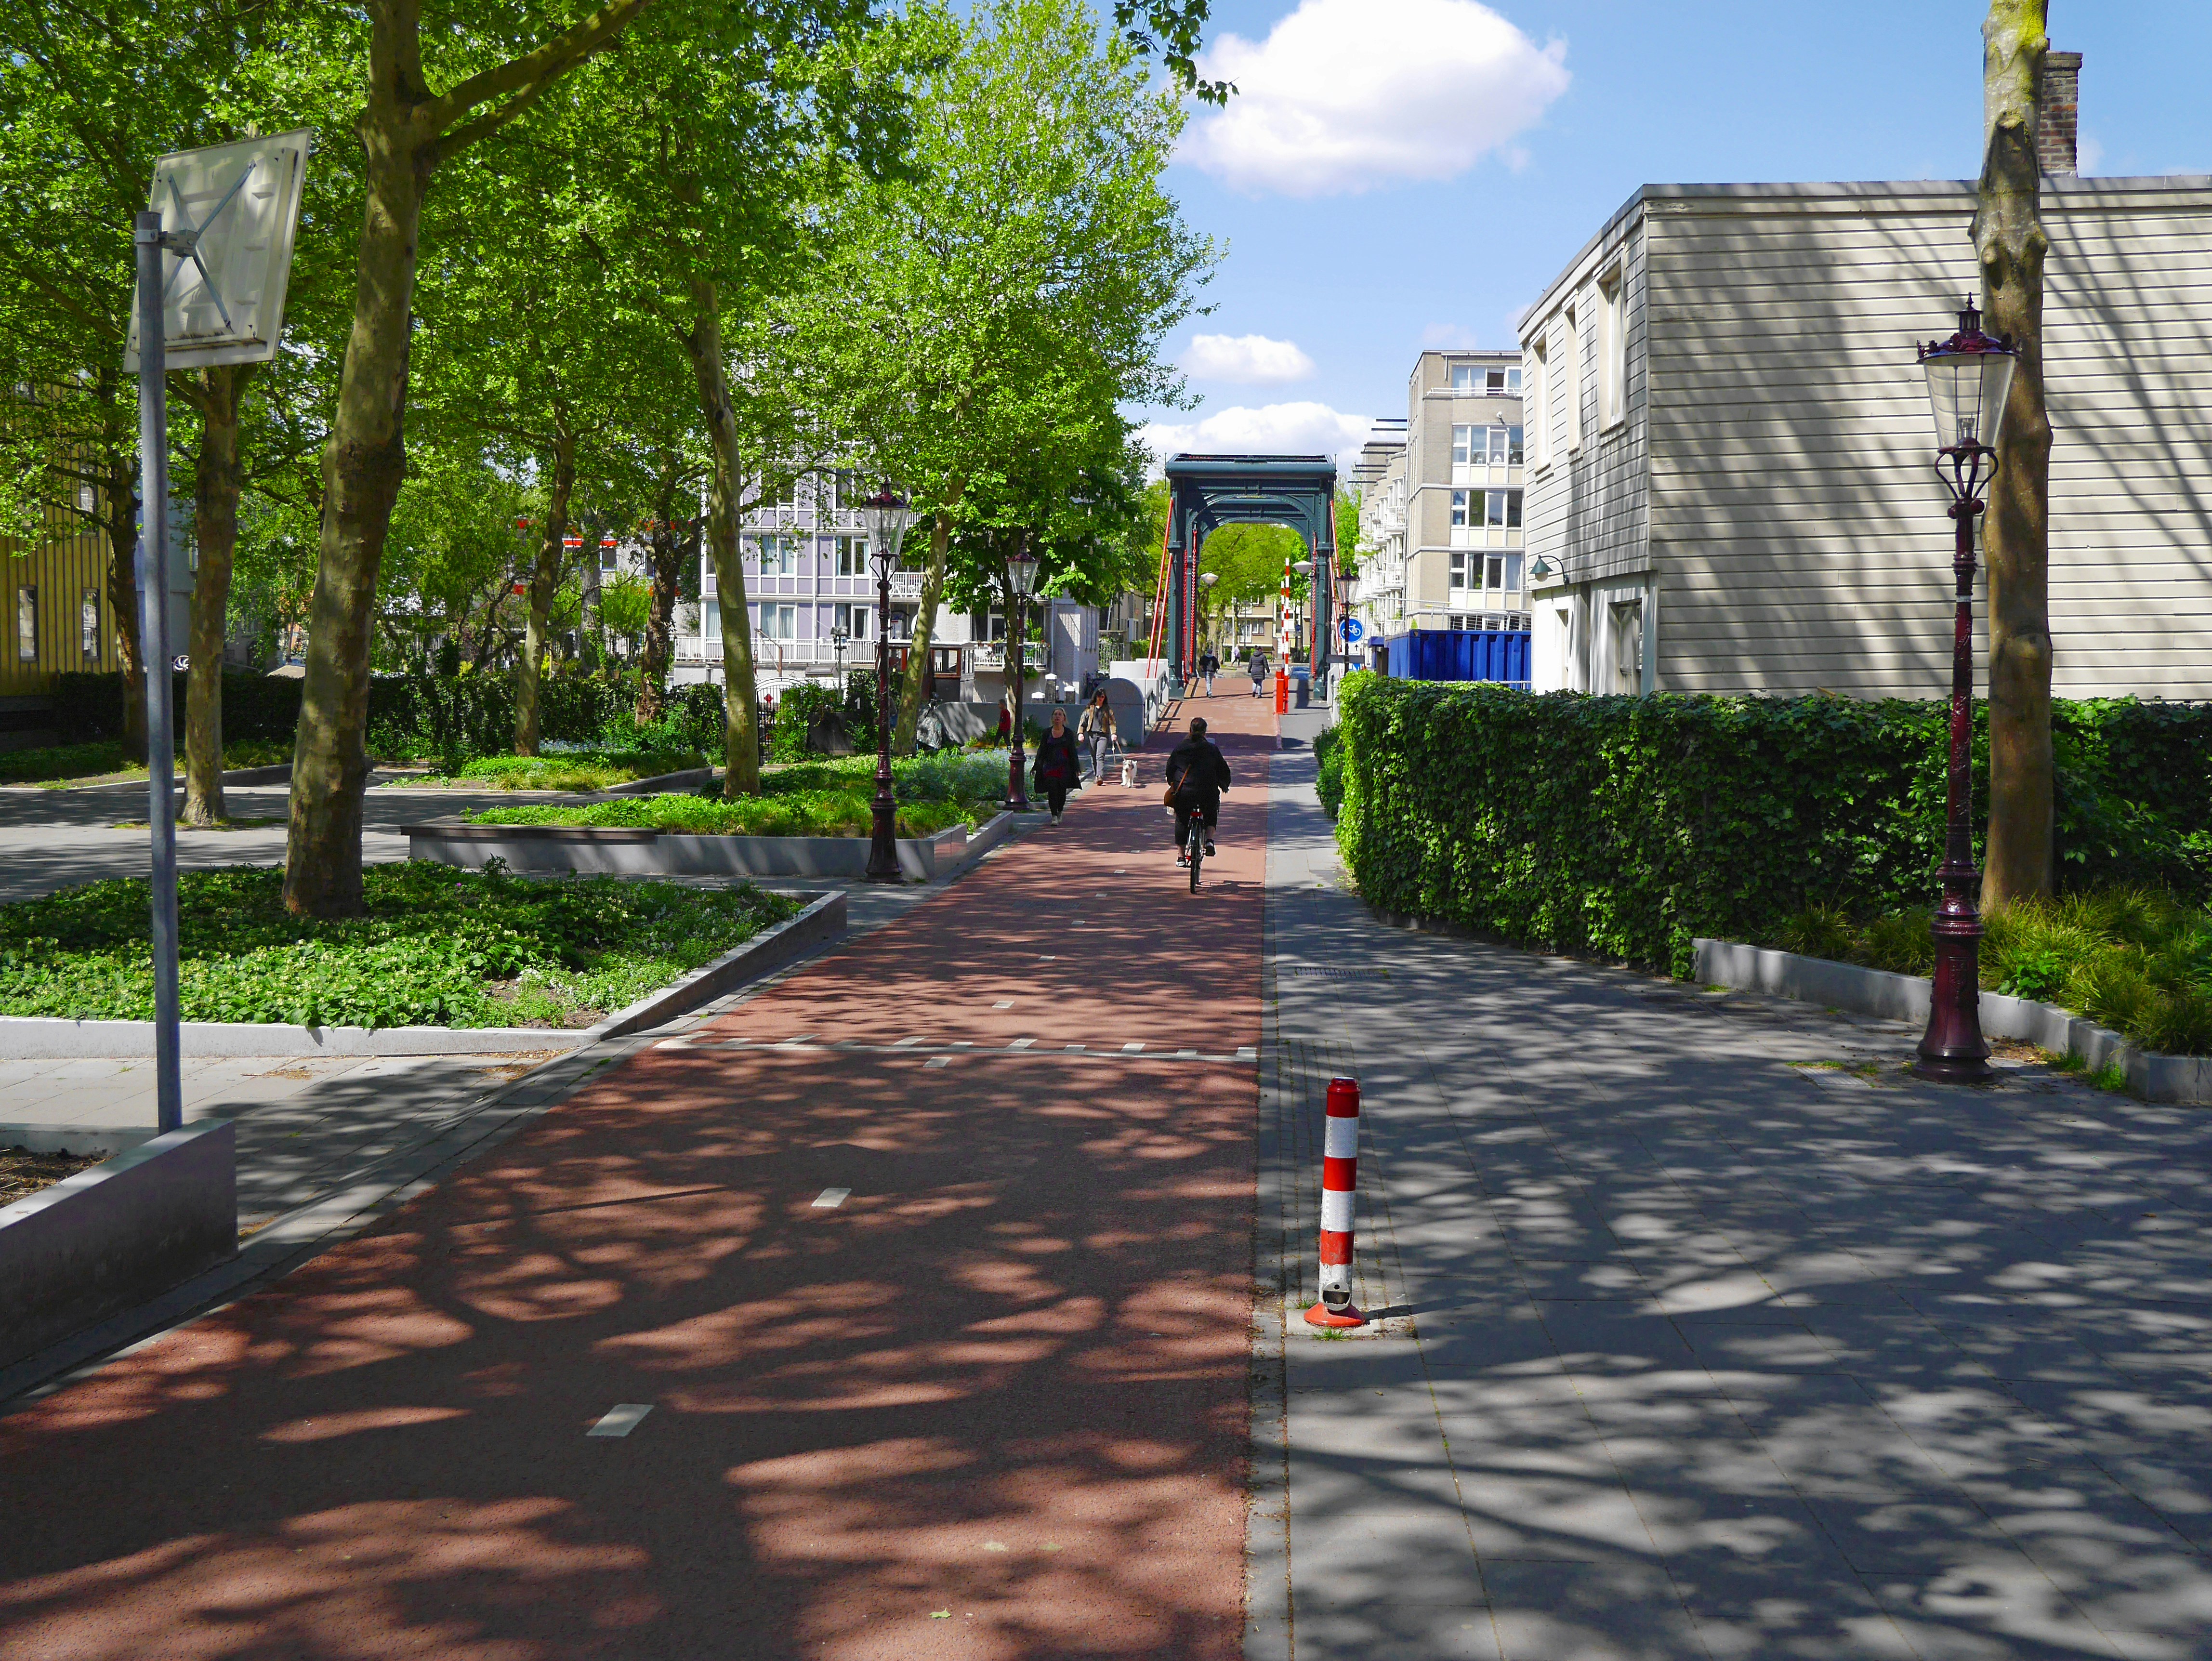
1730,484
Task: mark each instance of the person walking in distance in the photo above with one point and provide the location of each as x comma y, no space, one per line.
1259,672
1209,665
1056,769
1197,775
1097,731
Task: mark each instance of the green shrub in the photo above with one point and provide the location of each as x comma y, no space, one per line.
1622,827
795,711
433,946
1328,772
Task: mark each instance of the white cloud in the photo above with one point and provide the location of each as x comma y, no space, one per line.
1304,429
1344,95
1246,359
2087,153
1448,335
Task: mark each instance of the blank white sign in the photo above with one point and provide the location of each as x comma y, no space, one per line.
243,198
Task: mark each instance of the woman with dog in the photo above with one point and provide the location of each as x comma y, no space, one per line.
1097,731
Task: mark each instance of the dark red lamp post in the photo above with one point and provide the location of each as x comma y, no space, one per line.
1021,583
887,516
1969,376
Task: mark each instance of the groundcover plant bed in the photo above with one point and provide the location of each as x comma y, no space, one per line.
823,798
564,770
435,947
2133,959
68,763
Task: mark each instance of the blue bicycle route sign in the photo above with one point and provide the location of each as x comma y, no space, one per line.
1353,629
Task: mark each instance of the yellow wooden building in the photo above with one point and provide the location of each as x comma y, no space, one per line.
58,614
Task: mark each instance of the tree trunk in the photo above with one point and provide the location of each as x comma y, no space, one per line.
216,481
924,621
2010,243
660,618
118,507
544,582
703,343
362,466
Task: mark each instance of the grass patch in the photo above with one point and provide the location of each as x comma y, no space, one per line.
434,947
586,770
2135,960
63,764
817,799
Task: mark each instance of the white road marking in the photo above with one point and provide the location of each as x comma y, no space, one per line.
1049,957
1074,1046
905,1042
939,1062
1021,1043
1131,1049
1003,1003
624,1418
830,1198
1247,1053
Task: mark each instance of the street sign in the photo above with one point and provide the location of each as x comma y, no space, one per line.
1353,629
229,215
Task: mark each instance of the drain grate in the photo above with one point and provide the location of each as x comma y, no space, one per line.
1339,974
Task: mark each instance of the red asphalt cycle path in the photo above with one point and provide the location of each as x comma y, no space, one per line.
993,1405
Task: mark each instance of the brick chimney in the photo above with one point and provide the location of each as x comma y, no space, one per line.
2058,114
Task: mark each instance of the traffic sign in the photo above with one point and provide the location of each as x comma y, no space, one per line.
1353,629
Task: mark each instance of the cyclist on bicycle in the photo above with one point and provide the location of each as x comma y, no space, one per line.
1197,774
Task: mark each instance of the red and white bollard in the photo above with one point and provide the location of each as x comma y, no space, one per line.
1340,1176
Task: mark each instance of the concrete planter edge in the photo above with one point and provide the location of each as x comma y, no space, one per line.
2183,1080
596,851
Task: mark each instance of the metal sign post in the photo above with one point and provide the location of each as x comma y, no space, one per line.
154,646
227,213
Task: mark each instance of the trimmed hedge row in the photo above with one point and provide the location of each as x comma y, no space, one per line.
1621,827
414,714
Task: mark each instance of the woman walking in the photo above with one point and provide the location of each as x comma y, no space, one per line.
1056,769
1097,732
1259,671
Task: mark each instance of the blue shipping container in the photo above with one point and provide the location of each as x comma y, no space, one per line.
1499,655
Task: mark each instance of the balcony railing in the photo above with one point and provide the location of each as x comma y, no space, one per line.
991,657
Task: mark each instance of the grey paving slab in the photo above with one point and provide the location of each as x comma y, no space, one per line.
1722,1337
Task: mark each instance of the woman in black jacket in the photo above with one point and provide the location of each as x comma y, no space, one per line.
1056,769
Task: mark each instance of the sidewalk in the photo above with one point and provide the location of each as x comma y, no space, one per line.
1709,1334
931,1263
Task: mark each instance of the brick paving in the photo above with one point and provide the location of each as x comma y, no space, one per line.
992,1402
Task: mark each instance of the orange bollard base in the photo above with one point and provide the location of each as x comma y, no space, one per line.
1321,1315
1282,694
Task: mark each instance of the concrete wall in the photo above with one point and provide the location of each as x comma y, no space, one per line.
116,1235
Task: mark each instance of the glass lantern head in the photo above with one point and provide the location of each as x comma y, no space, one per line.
887,515
1969,378
1021,574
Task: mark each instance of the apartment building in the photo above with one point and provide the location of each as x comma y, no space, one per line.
1730,451
808,579
1446,504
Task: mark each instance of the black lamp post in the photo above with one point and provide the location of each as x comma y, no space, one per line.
887,516
1021,582
1969,376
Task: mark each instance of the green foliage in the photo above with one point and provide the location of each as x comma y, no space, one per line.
1328,775
2133,959
436,946
68,763
829,798
1624,827
795,713
585,769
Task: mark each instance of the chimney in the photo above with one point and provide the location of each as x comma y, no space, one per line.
2058,114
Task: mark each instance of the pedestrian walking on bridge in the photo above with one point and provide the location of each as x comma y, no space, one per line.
1056,769
1097,731
1259,672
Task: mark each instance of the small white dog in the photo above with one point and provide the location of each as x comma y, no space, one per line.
1128,772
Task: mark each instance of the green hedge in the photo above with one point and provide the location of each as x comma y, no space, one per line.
446,715
1620,827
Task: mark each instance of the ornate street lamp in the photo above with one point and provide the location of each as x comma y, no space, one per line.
1021,583
1969,376
839,635
887,516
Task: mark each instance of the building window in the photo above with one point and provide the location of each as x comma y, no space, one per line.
1612,350
779,622
1463,445
87,498
777,556
1459,507
852,619
1473,380
27,623
1573,391
88,625
851,557
900,624
990,625
1539,447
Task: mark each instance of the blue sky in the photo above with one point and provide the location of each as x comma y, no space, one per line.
1403,172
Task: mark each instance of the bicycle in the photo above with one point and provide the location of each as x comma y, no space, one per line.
1195,844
